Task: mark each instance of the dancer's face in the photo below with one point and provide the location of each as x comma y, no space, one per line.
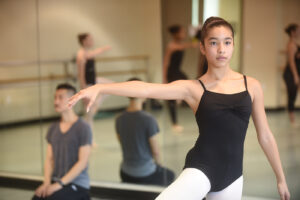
61,100
89,42
218,46
181,34
297,32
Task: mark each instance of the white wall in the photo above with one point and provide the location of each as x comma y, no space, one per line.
131,27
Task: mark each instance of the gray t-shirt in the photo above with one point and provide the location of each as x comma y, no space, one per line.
65,148
135,129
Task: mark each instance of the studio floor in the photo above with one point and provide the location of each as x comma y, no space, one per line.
23,148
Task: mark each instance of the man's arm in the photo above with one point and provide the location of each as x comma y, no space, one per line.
48,170
79,166
154,145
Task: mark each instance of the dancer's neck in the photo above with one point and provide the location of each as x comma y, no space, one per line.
219,73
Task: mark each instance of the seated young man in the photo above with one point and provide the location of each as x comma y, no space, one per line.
69,145
137,132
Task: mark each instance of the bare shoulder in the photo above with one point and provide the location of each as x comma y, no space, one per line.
80,54
253,83
254,88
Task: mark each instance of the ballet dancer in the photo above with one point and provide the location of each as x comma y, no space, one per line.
87,75
171,66
292,69
222,101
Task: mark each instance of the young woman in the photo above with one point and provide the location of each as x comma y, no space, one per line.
171,67
222,101
87,75
292,70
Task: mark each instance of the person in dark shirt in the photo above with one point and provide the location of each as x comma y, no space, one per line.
68,150
137,132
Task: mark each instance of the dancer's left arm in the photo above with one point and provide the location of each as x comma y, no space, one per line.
266,138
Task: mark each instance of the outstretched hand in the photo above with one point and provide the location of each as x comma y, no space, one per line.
283,191
90,94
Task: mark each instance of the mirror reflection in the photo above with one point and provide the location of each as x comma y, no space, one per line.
50,50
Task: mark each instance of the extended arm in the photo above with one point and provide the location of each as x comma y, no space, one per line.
267,140
96,52
175,90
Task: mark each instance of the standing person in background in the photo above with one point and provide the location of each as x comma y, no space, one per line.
87,75
137,132
172,64
69,145
292,70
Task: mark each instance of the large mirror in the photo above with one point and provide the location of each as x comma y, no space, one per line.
47,43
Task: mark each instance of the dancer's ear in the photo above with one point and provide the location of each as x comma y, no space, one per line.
202,48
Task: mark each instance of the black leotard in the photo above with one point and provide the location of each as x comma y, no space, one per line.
174,72
292,88
90,72
223,121
297,61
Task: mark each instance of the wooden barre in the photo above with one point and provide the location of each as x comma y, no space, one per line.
66,61
63,77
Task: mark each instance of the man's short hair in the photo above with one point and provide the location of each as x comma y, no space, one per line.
66,86
133,79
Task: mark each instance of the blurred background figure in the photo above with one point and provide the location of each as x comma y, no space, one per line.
202,62
172,64
69,145
292,69
137,132
87,74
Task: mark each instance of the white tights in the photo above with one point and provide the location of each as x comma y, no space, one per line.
193,184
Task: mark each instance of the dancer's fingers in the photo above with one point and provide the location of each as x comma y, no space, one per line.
74,99
91,102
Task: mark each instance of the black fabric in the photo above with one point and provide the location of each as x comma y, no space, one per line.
90,72
174,74
162,176
69,192
173,111
174,71
288,77
223,121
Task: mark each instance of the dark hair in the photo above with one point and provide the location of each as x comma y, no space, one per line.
66,86
133,79
198,35
214,22
81,37
209,24
174,29
291,28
